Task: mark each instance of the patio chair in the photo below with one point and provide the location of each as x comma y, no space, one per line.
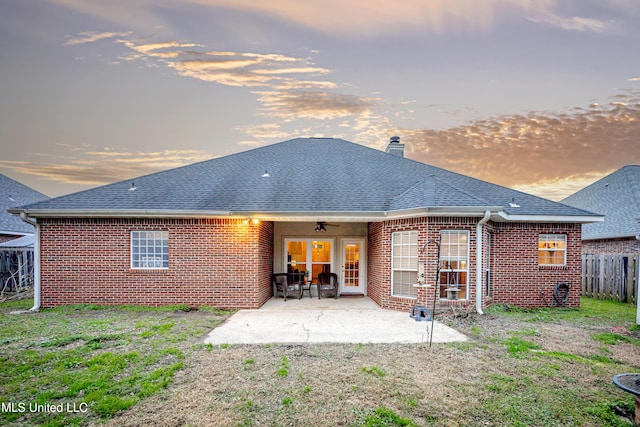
287,285
327,285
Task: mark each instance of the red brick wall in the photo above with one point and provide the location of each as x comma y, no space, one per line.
516,277
379,260
629,245
217,262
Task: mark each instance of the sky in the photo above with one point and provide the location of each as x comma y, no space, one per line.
541,96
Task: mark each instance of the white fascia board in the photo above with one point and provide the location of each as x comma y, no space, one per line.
121,213
15,233
312,216
457,211
611,236
371,216
582,219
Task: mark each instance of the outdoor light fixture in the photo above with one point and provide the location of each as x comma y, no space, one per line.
320,227
254,221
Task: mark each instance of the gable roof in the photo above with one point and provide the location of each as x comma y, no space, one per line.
307,178
12,194
617,197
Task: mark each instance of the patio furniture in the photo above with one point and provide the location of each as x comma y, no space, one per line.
306,286
287,285
327,285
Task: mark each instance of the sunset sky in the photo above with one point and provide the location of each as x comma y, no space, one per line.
538,95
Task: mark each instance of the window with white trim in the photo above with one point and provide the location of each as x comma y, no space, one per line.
454,264
552,249
404,263
149,250
308,255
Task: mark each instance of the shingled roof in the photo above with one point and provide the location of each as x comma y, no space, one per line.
12,193
307,178
617,197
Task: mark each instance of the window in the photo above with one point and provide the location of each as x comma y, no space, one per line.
454,264
149,249
301,251
552,249
404,264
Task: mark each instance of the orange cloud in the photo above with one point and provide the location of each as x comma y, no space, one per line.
313,104
81,165
537,149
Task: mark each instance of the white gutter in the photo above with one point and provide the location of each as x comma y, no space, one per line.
552,218
119,213
479,234
36,261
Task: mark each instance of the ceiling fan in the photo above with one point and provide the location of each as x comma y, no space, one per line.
322,226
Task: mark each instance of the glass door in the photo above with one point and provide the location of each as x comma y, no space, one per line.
352,281
309,255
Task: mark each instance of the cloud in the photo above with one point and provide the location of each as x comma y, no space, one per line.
576,23
313,104
263,134
239,69
90,37
85,166
537,149
560,188
366,18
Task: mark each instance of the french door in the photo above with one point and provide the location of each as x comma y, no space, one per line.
309,255
353,266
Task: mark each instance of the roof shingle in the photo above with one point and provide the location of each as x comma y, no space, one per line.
306,175
12,194
617,197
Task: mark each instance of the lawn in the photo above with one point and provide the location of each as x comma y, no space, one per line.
80,364
143,366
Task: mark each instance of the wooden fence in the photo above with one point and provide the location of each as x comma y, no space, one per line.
611,276
16,270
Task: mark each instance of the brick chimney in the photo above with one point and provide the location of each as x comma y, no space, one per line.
395,147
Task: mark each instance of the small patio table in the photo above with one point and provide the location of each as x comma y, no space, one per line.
306,286
631,384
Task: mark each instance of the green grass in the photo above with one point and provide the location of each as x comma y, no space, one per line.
611,338
112,359
591,312
375,371
385,417
101,359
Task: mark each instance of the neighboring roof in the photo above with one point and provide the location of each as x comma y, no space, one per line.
12,194
303,179
617,197
20,242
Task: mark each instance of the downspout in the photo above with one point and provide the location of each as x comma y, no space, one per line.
36,261
479,235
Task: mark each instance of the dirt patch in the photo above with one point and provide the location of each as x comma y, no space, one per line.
563,380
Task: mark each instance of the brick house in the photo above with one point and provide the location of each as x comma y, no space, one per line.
212,233
13,193
617,197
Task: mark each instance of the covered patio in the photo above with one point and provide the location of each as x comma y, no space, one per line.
313,320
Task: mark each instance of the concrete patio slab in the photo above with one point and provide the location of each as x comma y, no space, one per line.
342,320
